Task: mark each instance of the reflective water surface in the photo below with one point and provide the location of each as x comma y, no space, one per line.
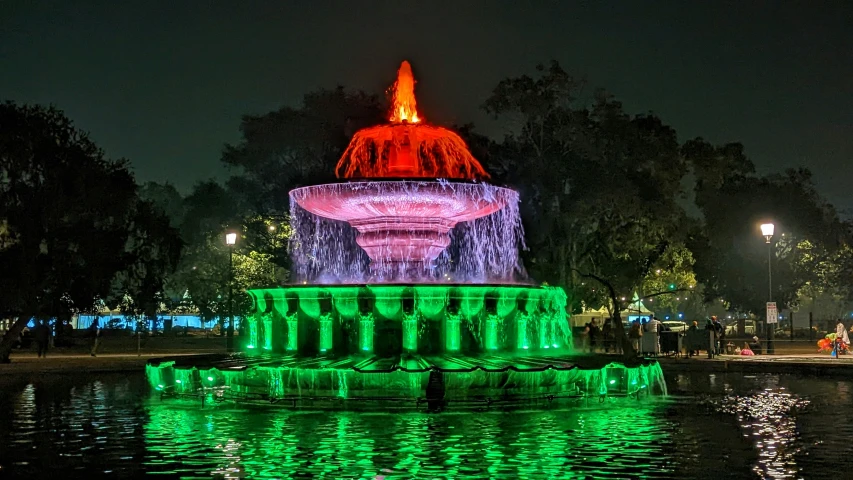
712,426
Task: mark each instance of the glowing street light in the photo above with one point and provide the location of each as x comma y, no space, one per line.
767,229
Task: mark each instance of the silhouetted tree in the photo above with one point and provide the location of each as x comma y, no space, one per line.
731,255
293,147
72,221
598,186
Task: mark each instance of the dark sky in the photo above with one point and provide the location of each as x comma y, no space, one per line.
164,83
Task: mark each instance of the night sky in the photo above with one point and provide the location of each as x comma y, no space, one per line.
165,85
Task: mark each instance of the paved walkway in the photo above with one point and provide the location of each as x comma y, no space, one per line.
798,358
28,363
807,364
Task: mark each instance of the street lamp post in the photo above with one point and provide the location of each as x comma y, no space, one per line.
275,248
767,230
230,240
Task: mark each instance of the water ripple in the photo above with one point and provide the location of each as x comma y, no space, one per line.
720,427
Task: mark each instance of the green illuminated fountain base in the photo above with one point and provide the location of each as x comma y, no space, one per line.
409,380
404,345
387,320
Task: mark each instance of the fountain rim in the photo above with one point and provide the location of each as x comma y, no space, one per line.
527,286
438,180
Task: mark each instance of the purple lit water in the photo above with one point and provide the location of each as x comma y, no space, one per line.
485,250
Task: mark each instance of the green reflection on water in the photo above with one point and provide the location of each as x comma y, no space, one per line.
607,441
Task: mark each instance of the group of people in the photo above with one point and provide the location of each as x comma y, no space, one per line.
599,335
640,329
42,334
603,336
711,338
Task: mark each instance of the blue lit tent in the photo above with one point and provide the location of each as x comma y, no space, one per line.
636,310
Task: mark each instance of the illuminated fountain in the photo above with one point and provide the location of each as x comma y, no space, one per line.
408,286
410,189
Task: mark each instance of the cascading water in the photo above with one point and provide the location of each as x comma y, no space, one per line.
404,231
285,382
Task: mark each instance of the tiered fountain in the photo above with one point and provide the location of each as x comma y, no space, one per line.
408,287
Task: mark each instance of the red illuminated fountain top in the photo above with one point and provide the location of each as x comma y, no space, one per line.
406,147
402,213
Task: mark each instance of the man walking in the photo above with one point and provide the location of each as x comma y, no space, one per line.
42,337
95,331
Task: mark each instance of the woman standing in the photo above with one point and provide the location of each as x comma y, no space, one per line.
841,336
634,335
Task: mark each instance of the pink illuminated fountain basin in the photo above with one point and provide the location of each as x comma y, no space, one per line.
406,221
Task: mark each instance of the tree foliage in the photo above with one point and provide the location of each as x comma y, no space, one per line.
201,282
598,186
825,279
672,271
292,147
74,228
732,256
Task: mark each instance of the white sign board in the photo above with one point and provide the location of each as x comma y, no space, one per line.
772,313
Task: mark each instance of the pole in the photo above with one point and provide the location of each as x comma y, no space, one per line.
274,266
811,326
770,326
792,326
229,343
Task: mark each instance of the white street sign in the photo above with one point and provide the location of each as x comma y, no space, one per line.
772,313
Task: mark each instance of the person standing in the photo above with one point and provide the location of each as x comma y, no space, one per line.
653,328
42,337
634,335
607,334
693,339
719,335
711,332
592,332
95,332
841,336
654,325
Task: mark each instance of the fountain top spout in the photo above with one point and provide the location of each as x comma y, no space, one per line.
407,147
408,185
